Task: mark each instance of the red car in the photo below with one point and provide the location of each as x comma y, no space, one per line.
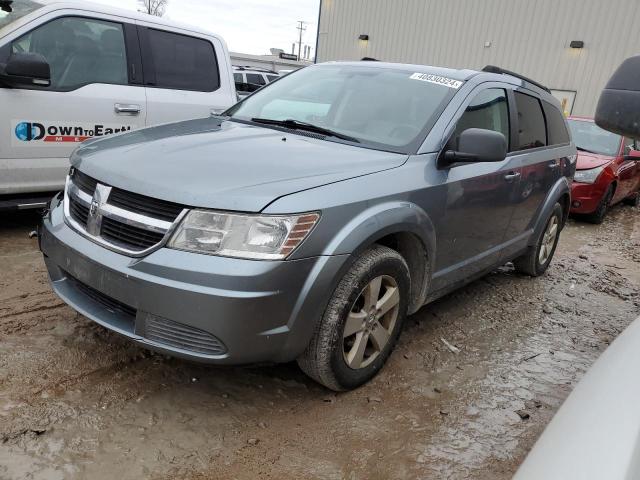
607,172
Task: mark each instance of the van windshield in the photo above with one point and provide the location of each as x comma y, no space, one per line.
383,108
19,8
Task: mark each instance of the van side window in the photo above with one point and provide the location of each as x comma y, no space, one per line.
488,110
256,79
556,126
182,62
532,132
272,78
80,51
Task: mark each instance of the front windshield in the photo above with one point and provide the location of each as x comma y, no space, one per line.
591,138
383,108
19,8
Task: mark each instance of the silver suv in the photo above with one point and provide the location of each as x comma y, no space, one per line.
314,216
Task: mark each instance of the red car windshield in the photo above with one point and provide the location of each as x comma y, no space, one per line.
589,137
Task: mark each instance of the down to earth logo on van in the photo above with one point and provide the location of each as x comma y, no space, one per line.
61,133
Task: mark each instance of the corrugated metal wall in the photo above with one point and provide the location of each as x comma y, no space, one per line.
527,36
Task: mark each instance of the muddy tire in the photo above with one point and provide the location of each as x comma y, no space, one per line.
538,257
633,200
362,322
597,217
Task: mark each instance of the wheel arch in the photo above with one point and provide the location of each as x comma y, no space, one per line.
559,193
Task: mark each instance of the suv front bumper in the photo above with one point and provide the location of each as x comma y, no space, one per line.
200,307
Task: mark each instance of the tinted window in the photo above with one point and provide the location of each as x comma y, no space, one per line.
182,62
487,110
255,78
271,78
80,51
589,137
531,127
556,128
237,77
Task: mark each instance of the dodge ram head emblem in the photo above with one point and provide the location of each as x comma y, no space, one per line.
99,199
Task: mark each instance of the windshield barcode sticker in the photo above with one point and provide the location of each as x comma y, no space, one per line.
428,77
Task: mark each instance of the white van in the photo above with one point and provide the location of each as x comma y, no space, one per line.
70,71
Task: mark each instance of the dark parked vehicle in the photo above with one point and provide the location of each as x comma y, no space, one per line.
311,218
608,170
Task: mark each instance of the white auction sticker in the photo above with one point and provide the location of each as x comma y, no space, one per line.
428,77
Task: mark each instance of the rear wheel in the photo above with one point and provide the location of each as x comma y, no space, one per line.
361,323
633,200
538,257
597,217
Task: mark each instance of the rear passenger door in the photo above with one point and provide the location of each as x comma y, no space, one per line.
184,74
541,134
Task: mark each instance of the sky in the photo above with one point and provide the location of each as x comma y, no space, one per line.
248,26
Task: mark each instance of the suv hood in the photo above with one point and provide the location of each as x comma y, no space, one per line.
588,160
225,165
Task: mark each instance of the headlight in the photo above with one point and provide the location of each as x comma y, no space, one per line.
265,237
588,176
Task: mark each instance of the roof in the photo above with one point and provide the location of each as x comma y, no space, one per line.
121,12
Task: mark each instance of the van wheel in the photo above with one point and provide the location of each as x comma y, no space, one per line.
538,257
362,322
597,217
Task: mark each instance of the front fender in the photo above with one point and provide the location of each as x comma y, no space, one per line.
379,221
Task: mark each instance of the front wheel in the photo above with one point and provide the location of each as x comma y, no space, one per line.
538,257
362,321
597,217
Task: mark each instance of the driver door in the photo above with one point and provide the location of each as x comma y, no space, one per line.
91,95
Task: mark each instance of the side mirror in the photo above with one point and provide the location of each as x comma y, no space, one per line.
478,145
25,69
618,109
633,155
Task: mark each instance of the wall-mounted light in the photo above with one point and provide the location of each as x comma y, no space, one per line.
576,44
364,37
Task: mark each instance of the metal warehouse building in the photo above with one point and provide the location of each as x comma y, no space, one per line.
572,46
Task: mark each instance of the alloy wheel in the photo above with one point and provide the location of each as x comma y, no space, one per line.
548,240
371,322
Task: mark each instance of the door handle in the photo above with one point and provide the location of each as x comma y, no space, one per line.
511,176
127,109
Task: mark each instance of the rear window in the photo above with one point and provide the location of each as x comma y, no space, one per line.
182,62
557,132
531,127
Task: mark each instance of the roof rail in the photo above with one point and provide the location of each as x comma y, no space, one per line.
502,71
257,69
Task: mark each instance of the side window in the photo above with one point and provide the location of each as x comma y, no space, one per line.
531,126
79,51
488,110
272,78
629,144
182,62
256,79
237,77
557,132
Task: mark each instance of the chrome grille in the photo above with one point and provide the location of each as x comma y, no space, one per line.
123,221
176,335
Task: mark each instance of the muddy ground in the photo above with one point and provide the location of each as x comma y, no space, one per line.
77,401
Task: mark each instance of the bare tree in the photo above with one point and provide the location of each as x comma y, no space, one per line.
154,7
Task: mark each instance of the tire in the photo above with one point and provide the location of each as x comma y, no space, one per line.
534,262
331,358
597,217
633,200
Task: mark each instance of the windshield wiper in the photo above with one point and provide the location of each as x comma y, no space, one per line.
309,127
584,149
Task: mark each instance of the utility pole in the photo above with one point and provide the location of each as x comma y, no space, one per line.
302,28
